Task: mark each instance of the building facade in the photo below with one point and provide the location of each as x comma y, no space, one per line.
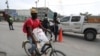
44,10
23,14
2,13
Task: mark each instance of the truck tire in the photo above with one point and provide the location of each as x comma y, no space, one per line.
90,35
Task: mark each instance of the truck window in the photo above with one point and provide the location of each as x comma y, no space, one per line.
75,18
86,20
65,19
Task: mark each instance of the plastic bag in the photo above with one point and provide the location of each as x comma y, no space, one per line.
40,36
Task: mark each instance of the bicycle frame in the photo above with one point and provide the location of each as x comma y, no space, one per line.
50,45
37,50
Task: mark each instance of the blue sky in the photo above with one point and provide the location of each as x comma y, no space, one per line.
64,7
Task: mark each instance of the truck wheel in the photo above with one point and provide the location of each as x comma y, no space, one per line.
90,35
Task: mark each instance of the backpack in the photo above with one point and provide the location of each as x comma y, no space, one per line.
11,19
45,23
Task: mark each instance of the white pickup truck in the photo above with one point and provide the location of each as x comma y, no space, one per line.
82,24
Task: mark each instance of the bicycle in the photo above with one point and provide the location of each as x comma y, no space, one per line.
48,50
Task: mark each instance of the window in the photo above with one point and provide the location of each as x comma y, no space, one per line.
86,19
65,19
75,18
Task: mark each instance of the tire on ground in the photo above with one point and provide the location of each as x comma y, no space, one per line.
90,35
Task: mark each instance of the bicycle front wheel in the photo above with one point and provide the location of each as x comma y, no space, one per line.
26,46
57,53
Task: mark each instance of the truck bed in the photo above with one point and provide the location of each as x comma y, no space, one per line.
93,19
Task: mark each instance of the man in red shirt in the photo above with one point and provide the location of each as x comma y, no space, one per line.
29,25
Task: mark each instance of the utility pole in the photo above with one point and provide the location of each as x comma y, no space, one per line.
7,10
45,3
45,6
7,6
36,3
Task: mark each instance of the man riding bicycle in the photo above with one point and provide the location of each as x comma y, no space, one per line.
29,25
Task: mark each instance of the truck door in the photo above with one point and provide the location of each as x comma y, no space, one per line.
76,23
64,23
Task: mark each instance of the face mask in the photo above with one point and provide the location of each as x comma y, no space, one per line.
34,15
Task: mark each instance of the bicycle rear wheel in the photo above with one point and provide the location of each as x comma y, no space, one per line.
57,53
